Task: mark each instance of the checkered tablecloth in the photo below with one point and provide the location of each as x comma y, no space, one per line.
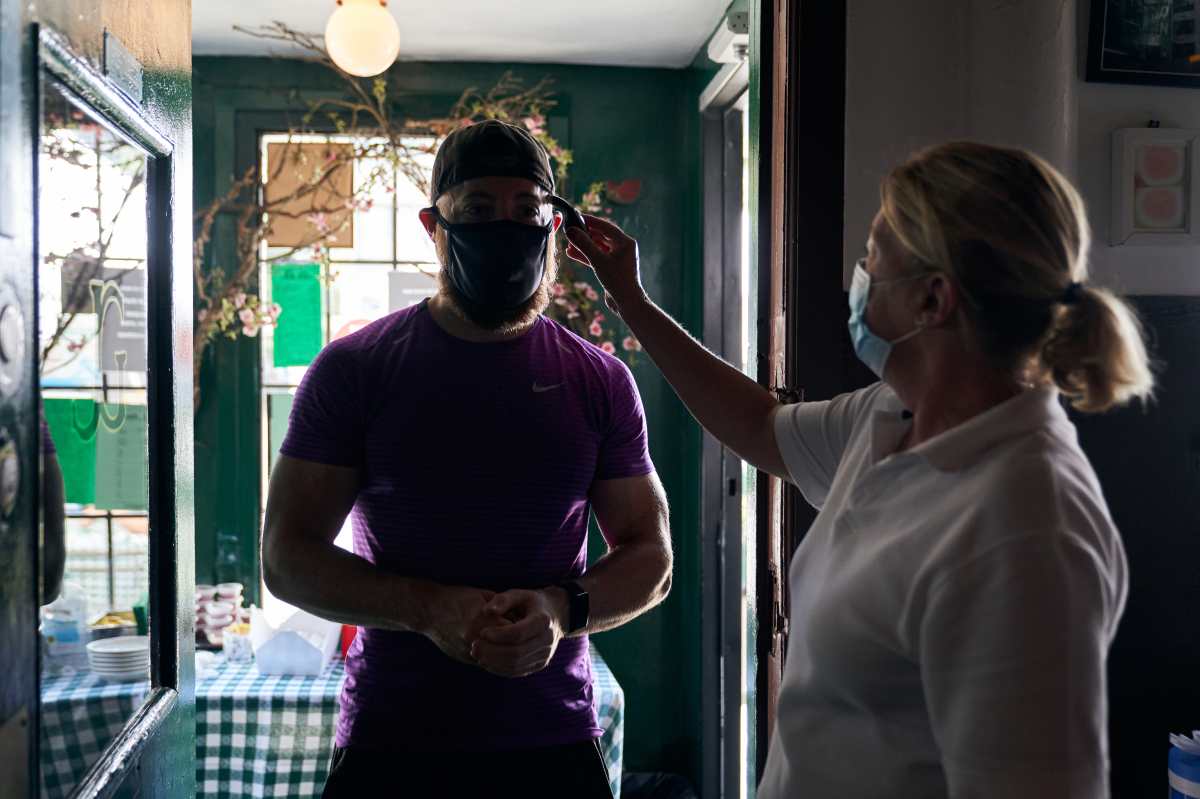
259,736
256,736
81,715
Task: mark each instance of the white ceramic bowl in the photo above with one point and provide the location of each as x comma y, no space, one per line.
217,622
230,590
121,645
136,675
219,608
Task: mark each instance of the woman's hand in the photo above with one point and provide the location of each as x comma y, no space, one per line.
612,254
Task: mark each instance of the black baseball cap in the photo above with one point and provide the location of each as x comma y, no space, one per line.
490,149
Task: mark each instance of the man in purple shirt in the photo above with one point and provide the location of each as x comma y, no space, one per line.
469,438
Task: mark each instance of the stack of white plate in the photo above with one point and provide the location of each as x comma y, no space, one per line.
122,659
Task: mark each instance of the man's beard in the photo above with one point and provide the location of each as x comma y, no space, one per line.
494,320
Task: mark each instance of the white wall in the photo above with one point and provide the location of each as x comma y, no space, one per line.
906,88
926,71
1102,108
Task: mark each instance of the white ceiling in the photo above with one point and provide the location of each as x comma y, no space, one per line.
649,33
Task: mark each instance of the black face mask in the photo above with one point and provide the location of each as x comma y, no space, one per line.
497,266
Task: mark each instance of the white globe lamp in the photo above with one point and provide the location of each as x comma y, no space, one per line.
362,37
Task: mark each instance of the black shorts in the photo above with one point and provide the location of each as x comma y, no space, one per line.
571,771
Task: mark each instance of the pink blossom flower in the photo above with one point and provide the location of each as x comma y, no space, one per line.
573,314
246,316
572,306
591,294
319,222
598,318
239,299
608,347
631,344
534,122
557,290
581,285
276,309
201,315
250,330
560,301
596,330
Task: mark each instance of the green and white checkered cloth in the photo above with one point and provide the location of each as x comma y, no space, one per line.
264,735
81,715
256,735
610,711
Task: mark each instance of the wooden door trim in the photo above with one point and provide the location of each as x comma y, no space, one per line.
78,77
768,38
74,71
107,774
800,50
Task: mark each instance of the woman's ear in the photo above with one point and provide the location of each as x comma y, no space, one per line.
939,301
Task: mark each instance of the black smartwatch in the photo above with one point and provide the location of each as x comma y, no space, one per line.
579,605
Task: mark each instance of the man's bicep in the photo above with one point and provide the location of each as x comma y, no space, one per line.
307,499
631,509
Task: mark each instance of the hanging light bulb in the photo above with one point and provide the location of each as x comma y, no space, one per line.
361,37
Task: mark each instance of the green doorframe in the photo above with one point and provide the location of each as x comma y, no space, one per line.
154,754
607,109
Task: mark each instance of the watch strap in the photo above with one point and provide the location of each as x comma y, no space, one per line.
578,604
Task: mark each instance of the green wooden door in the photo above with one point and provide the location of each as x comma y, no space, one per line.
95,334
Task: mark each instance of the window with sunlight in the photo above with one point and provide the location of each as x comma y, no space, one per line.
380,260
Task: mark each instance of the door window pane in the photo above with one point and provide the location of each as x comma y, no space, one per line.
92,339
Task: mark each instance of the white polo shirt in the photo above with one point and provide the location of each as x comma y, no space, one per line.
951,607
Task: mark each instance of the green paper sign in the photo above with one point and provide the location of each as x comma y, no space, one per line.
296,288
122,458
72,424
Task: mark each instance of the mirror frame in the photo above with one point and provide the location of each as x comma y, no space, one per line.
77,77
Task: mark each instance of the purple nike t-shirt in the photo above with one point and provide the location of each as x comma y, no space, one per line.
476,461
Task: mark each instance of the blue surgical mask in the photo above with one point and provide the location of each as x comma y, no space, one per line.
870,348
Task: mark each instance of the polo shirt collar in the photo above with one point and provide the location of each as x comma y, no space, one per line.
967,443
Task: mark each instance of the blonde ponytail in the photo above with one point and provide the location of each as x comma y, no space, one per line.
1096,353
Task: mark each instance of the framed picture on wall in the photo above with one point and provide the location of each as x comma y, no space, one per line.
1156,186
1144,41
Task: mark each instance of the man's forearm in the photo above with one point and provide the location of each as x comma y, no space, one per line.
330,582
628,581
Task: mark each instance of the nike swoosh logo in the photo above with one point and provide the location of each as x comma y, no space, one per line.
537,389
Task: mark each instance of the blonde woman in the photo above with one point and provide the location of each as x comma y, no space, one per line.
955,600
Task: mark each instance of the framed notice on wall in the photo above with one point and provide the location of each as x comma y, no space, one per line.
1156,186
312,195
1144,41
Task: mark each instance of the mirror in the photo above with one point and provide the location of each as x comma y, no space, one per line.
92,346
